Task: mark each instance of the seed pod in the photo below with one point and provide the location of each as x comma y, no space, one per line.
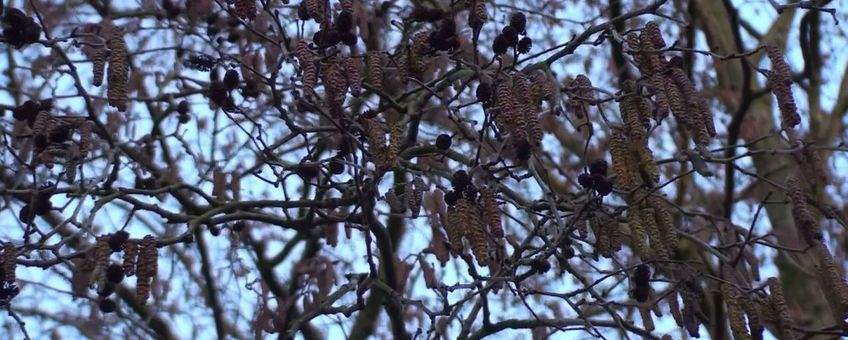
484,91
524,45
734,312
781,309
117,240
375,69
10,255
114,273
492,212
99,66
246,9
803,218
107,306
118,70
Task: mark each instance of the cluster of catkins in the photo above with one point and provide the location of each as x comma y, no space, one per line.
341,30
8,264
509,36
383,155
475,216
19,29
114,52
671,86
517,100
407,197
139,259
51,135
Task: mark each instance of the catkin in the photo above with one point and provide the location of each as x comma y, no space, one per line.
99,65
417,197
374,70
637,231
316,10
754,321
779,306
346,5
647,319
118,71
674,307
622,160
530,118
650,225
507,113
492,211
665,223
307,65
475,231
652,31
10,255
352,75
86,130
780,87
147,267
455,230
102,251
832,282
803,218
246,9
130,255
478,16
735,314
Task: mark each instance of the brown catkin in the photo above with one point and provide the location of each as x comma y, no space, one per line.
374,70
335,87
753,315
781,309
530,118
102,252
99,65
647,319
508,113
418,53
118,71
147,267
393,149
44,122
347,6
246,9
602,239
637,231
622,160
665,223
376,138
803,218
735,314
652,31
316,9
653,231
832,283
86,130
10,255
455,230
417,196
674,307
782,90
307,64
130,256
492,212
352,75
478,16
778,62
469,213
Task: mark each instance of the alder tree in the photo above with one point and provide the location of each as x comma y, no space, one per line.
423,169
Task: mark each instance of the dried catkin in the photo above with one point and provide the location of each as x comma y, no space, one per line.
652,31
374,70
99,65
647,319
130,256
674,307
803,218
86,130
147,267
507,114
735,314
10,255
622,160
653,231
665,223
630,112
637,231
782,90
118,70
335,87
307,65
492,212
832,282
781,309
246,9
102,251
455,230
530,118
352,75
469,213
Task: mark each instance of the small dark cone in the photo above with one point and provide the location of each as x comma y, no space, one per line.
116,241
484,92
344,22
524,45
500,44
182,107
519,22
443,142
115,273
218,93
231,79
460,180
337,166
585,180
598,167
511,35
451,197
107,306
308,170
26,112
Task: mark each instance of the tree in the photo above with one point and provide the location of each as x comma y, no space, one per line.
436,169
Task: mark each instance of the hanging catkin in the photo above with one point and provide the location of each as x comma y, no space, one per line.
778,305
665,223
10,255
803,218
735,314
491,211
374,70
832,282
306,60
622,160
754,321
653,231
118,70
637,231
352,75
475,232
455,230
147,267
130,256
674,307
99,65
